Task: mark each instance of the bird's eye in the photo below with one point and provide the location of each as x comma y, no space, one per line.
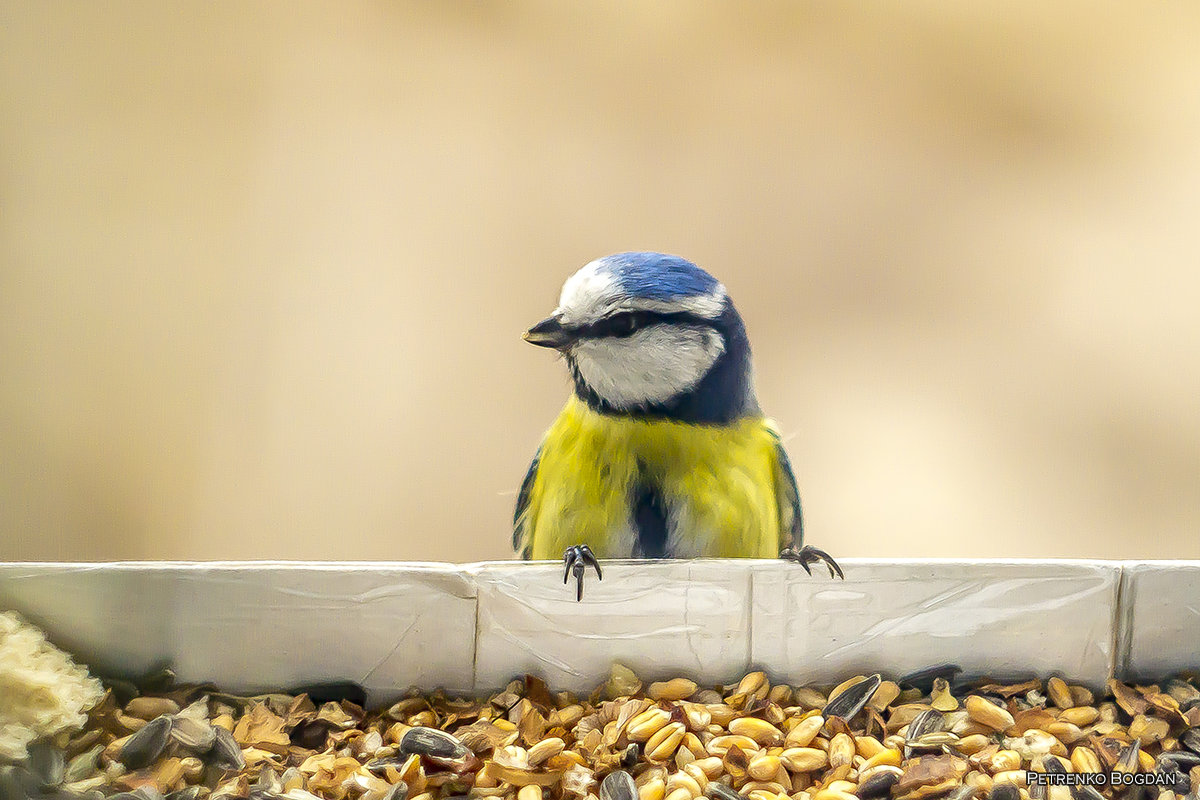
625,324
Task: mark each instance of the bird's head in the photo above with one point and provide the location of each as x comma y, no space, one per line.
648,333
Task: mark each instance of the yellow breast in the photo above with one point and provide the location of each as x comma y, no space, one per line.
716,482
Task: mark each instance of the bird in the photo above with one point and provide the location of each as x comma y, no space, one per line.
662,450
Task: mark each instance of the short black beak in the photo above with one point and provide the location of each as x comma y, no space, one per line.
549,333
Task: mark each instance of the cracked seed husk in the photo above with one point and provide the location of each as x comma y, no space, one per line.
192,734
941,698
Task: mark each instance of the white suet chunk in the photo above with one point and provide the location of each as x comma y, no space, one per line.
42,691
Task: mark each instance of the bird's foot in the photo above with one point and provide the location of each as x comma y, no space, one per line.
810,555
576,560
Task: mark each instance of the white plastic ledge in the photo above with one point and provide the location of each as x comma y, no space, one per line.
257,626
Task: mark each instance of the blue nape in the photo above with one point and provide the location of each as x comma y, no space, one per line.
657,276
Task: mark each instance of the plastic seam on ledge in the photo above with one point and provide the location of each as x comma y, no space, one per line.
1122,626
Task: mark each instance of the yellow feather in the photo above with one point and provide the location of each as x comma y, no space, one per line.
721,485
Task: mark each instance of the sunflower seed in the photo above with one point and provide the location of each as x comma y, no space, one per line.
927,722
1004,791
146,745
1184,759
17,783
878,785
719,791
399,791
46,763
432,742
1181,690
85,786
83,765
851,700
1052,765
140,793
618,785
923,678
187,793
226,753
1175,780
380,766
1127,762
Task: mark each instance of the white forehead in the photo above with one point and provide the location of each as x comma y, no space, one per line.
595,291
589,294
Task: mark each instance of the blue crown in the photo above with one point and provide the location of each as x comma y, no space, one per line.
657,276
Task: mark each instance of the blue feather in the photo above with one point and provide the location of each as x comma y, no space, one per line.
657,276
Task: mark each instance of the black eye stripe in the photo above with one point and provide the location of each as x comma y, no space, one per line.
626,323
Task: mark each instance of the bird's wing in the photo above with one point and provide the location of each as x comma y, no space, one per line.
791,522
522,524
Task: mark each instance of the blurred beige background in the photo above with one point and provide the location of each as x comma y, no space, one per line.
264,267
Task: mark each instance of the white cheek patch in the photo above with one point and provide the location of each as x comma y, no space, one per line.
650,367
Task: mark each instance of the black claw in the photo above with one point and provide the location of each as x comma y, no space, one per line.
576,561
812,555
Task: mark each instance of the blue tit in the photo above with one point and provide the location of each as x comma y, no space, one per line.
662,450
